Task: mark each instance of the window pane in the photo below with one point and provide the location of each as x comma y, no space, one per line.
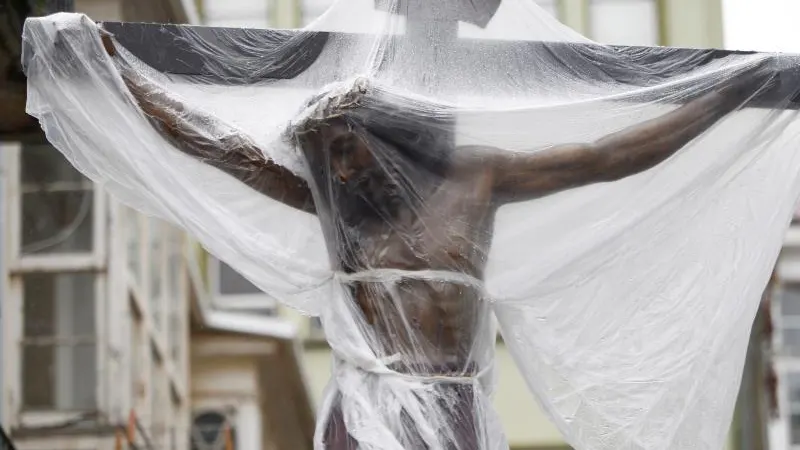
157,404
137,357
793,383
133,234
626,22
58,305
175,272
231,283
41,164
174,263
156,263
789,297
795,429
57,221
791,341
156,257
57,203
58,364
61,377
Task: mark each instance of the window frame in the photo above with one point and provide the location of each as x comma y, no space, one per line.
177,327
785,362
254,301
785,369
782,322
156,301
19,264
157,364
112,279
56,342
55,262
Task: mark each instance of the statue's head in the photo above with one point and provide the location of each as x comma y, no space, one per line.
351,170
477,12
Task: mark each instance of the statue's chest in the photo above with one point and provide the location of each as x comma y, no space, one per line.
449,230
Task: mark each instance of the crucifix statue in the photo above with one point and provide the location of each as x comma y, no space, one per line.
397,197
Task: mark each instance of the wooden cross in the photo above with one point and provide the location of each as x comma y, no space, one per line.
173,49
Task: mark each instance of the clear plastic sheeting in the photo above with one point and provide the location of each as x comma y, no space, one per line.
410,170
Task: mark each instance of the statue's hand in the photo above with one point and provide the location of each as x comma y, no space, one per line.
108,42
749,81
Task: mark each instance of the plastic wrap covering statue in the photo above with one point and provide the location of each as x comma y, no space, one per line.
409,177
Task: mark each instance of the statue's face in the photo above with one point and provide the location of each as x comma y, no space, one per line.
350,158
358,183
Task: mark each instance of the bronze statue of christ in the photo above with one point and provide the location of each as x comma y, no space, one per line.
405,200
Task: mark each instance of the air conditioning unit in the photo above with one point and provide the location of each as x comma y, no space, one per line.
212,430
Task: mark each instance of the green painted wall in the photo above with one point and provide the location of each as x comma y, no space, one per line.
691,23
575,14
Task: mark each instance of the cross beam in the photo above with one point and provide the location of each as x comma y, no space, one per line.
283,54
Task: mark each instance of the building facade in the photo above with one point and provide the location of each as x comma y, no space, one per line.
91,337
111,336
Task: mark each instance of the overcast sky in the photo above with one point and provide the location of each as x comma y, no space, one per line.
766,25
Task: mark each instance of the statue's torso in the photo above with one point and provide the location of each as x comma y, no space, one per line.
435,223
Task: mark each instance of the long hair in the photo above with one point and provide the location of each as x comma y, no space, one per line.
420,132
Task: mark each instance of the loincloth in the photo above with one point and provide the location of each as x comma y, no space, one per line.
456,402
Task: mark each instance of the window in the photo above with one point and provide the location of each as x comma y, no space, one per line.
624,22
789,304
137,363
793,384
175,293
133,236
155,233
59,359
232,290
58,254
57,204
158,397
212,431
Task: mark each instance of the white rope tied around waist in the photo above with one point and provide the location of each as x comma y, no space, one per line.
393,275
379,367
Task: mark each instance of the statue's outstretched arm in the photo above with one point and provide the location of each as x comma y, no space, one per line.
523,176
207,139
